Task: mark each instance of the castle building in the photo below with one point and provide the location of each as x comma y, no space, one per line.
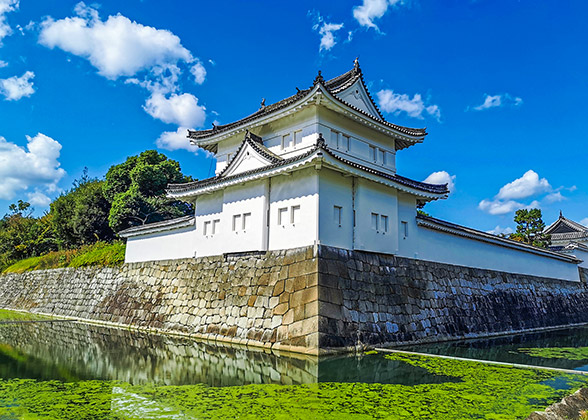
568,237
319,168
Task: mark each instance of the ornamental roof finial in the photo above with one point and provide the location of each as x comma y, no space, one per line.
262,103
356,64
560,214
319,78
320,142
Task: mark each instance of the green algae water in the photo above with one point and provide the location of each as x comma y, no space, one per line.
565,348
68,370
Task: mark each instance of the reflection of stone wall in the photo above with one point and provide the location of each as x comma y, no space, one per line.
293,299
82,351
377,298
263,299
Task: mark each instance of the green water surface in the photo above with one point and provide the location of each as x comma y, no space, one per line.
68,370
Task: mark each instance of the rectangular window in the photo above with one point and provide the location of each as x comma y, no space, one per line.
373,154
375,217
337,215
282,216
384,223
344,142
295,214
206,230
285,141
404,228
297,137
215,226
382,156
236,222
246,220
335,138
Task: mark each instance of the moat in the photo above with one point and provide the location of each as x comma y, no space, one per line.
66,369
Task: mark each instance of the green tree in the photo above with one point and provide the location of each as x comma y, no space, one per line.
80,216
530,228
23,236
136,190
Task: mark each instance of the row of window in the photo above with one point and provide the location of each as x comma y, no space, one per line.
291,140
342,142
291,215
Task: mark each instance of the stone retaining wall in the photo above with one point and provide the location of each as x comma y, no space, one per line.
260,299
305,299
378,299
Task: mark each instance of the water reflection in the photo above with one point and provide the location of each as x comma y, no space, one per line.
505,349
71,351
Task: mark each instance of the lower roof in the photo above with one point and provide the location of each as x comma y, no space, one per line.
319,152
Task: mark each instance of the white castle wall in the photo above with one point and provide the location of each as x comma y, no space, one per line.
447,248
172,244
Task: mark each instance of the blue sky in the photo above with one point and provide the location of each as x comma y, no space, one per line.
501,86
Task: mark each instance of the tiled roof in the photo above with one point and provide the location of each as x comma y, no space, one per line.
333,86
177,223
572,227
257,144
421,186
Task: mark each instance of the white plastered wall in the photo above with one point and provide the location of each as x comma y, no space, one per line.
335,190
452,249
297,190
168,245
375,200
217,229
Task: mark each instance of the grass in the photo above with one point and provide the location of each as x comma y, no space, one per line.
7,315
100,254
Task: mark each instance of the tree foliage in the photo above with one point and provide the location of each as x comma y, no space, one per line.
80,216
136,190
530,228
24,236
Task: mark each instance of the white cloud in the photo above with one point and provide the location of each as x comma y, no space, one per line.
15,88
327,31
175,140
584,222
116,47
500,230
152,58
37,166
6,6
395,103
182,110
38,199
497,101
499,207
442,177
371,10
199,72
3,64
555,197
526,186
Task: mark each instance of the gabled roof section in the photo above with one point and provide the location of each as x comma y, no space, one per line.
319,154
351,89
563,225
252,154
341,88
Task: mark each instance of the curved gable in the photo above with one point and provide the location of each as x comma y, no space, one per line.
357,95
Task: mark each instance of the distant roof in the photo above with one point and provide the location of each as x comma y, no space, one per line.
333,86
564,228
178,190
